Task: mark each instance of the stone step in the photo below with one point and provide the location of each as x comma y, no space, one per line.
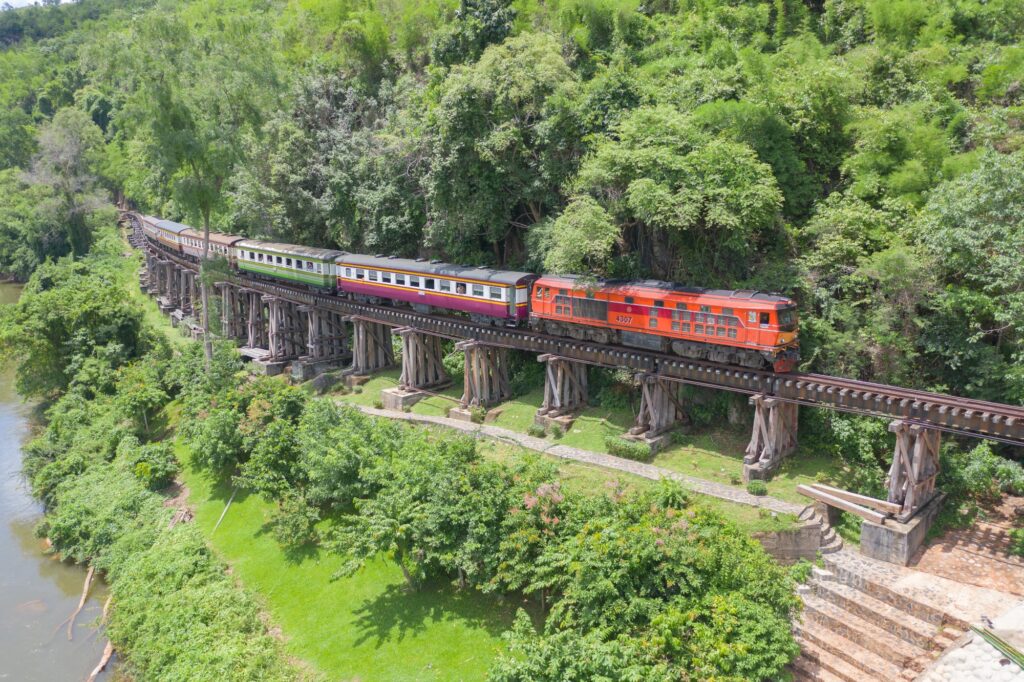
829,535
852,574
858,630
870,663
806,669
900,623
831,547
828,661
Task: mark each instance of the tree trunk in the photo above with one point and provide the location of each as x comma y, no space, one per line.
204,291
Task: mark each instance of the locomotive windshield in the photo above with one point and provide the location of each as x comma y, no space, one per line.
787,319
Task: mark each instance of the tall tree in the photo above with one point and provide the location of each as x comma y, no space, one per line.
200,86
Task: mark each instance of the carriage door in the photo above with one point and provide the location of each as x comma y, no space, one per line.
511,293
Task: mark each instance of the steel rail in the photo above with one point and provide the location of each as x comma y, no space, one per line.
944,412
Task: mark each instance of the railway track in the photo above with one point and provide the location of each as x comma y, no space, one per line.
948,413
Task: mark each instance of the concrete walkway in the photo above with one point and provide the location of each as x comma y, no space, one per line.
975,660
697,485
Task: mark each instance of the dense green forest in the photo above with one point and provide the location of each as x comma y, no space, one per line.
862,156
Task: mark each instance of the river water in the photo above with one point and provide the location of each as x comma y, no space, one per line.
37,592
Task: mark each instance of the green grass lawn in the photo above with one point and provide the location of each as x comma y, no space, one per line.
366,627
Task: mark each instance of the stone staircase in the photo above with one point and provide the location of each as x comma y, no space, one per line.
856,627
830,540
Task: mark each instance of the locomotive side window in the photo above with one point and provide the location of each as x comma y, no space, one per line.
686,327
659,304
705,309
540,292
478,290
732,332
629,299
653,324
709,330
752,317
720,331
698,329
764,319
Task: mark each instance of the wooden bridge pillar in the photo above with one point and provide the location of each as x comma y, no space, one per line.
187,305
174,285
486,380
371,346
256,323
915,466
325,342
565,390
233,311
422,368
774,436
287,332
660,411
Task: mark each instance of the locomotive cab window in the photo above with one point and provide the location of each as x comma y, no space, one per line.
752,317
764,319
787,319
629,299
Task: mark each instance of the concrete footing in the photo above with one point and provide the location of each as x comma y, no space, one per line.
758,471
655,443
305,369
896,542
562,421
270,367
399,399
466,414
351,379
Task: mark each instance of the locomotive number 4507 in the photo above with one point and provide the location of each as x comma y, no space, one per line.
623,319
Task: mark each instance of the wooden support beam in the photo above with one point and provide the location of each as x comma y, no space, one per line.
879,505
840,503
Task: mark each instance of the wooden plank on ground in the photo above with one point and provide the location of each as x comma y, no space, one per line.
833,501
872,502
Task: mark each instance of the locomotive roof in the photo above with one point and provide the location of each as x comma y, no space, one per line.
436,268
290,249
734,294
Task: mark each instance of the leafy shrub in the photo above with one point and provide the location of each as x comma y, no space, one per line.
477,414
800,572
294,523
557,431
379,404
757,488
630,449
357,389
1017,541
536,430
735,479
671,494
154,465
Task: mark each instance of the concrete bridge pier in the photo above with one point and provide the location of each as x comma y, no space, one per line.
325,342
773,437
371,348
422,368
565,391
660,411
485,379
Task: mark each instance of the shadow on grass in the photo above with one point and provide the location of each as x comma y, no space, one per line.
398,612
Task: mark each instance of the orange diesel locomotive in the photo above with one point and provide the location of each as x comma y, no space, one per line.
746,328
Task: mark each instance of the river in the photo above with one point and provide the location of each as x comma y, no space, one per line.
37,592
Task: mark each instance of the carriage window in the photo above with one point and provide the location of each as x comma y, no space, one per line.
373,275
496,292
348,272
460,288
428,283
400,279
478,290
446,285
298,264
414,281
764,318
360,273
309,266
385,277
288,262
261,257
320,268
278,260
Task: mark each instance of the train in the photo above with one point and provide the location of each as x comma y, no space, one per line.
748,328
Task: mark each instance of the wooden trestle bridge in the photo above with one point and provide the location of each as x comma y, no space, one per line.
278,324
